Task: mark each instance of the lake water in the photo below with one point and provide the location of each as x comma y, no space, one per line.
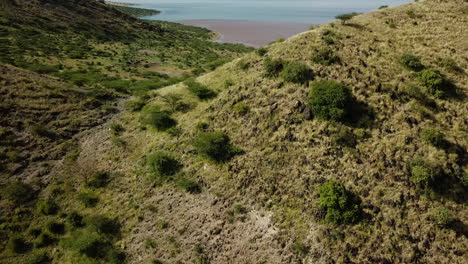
300,11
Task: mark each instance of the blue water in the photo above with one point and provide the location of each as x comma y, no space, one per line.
302,11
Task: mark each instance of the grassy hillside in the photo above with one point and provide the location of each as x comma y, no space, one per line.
344,144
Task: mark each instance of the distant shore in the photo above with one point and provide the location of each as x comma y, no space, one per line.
119,4
250,33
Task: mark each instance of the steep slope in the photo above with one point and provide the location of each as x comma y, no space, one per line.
288,154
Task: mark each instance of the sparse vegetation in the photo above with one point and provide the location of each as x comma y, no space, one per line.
241,108
273,67
411,62
433,137
18,245
330,100
155,117
443,217
199,90
99,179
346,17
215,146
325,56
18,192
296,72
162,165
423,173
88,198
47,207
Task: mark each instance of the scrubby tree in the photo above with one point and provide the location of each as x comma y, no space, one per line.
215,146
346,17
157,118
272,67
18,192
330,100
296,72
411,62
423,173
199,90
325,56
163,165
434,82
443,217
341,205
433,137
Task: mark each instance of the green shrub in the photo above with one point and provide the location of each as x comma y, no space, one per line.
116,129
240,108
341,205
330,100
98,179
189,185
47,207
202,126
345,17
300,249
199,90
18,192
153,116
262,51
102,225
88,243
272,67
135,105
443,216
411,62
434,81
243,65
423,173
325,56
75,219
214,145
163,165
56,228
88,198
344,137
433,137
296,72
384,6
39,257
44,240
18,245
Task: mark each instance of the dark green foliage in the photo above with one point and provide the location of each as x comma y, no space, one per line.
18,192
330,37
153,116
189,185
47,207
296,72
325,56
411,62
434,82
344,137
217,63
103,225
136,12
39,257
75,219
443,217
341,205
262,51
199,90
330,100
44,240
162,165
433,137
18,245
116,129
346,17
300,249
56,228
98,179
135,105
88,243
384,6
424,174
215,146
272,67
88,198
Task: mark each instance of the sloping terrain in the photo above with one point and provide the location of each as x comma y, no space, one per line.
163,194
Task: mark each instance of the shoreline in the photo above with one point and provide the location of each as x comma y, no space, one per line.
250,33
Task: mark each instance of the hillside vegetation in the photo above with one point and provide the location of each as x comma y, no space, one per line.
344,144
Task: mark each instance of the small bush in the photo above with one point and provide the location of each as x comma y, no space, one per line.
56,228
102,225
344,137
153,116
433,137
44,240
296,72
199,90
330,100
341,205
88,243
163,165
325,56
98,179
18,245
262,51
189,185
345,17
75,219
88,198
300,249
423,173
434,82
272,67
39,257
240,108
116,129
384,6
411,62
18,192
47,207
135,105
214,145
243,65
443,216
329,36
